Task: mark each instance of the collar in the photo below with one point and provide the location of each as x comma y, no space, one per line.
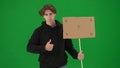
57,24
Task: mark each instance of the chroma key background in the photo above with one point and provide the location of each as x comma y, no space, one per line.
19,18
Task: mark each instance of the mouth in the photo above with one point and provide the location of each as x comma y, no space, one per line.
49,19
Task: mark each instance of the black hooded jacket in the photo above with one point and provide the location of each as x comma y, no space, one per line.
57,56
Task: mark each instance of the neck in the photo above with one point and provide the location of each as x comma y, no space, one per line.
51,23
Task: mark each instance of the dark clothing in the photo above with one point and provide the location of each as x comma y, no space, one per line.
46,66
57,57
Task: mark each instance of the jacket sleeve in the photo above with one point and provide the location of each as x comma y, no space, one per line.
70,49
33,45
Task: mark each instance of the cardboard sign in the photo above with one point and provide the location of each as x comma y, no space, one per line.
78,27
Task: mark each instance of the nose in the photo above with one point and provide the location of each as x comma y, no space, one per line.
49,16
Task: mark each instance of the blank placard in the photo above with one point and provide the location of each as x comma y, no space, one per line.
78,27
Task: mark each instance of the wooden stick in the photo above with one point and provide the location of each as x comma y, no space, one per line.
80,47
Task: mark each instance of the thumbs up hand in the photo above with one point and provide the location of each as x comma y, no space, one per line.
48,46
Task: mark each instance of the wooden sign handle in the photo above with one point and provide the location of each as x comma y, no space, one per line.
80,47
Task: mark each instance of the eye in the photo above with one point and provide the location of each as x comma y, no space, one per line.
50,13
46,14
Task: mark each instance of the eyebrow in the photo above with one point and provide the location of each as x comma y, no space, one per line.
49,13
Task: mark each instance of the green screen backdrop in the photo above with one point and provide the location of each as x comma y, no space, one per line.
19,18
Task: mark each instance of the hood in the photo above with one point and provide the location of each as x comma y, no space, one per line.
58,24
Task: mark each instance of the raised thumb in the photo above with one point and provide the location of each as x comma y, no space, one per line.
49,41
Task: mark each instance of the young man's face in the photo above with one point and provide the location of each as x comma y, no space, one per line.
49,15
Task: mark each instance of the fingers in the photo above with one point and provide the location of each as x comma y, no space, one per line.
80,55
49,41
52,45
81,51
49,47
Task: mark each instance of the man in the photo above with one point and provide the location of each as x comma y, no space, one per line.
47,40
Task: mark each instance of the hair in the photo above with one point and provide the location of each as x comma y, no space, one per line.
47,7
